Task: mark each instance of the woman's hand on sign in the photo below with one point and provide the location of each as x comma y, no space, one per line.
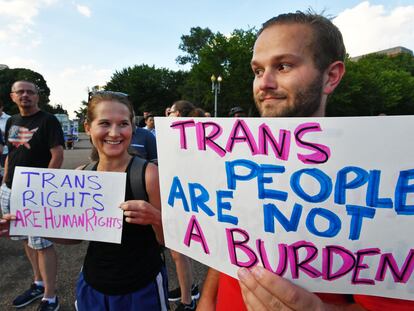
5,224
141,212
264,290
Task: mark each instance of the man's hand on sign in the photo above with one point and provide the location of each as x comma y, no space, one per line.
264,290
5,224
141,212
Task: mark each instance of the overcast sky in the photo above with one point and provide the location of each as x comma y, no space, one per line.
79,44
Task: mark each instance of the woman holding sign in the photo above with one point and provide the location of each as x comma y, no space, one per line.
130,275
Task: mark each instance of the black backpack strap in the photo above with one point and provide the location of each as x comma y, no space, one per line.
137,178
90,166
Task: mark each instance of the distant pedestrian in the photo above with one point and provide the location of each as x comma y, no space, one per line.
34,139
150,124
187,292
143,144
3,118
237,112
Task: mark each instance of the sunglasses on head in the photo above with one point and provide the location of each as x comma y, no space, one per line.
100,93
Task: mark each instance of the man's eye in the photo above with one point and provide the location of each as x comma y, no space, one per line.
258,71
285,67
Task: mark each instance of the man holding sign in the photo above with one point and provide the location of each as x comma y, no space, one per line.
298,61
34,139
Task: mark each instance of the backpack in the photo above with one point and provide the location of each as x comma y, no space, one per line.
135,177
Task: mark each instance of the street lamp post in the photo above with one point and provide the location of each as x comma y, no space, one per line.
215,88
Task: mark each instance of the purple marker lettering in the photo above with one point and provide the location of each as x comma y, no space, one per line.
28,177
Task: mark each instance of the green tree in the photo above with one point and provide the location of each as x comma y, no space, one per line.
149,88
9,76
375,84
214,53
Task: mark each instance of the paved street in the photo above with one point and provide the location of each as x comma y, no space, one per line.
15,272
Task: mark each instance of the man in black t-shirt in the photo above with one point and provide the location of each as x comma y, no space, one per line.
34,139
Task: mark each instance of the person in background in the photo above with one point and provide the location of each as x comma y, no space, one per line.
143,144
237,112
149,124
3,118
167,111
34,139
141,119
197,113
298,61
207,114
187,292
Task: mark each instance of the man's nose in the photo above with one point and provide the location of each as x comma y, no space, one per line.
268,80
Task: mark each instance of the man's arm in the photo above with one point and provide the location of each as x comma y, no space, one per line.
5,170
57,157
209,293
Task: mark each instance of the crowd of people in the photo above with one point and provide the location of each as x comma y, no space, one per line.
297,61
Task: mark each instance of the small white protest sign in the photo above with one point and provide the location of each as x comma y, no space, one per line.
70,204
325,202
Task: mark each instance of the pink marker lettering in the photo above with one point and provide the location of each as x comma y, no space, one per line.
321,153
232,245
246,136
194,225
280,148
204,139
181,126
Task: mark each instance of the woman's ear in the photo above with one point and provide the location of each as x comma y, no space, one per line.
87,128
332,76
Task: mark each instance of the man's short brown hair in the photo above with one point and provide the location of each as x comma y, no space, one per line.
327,44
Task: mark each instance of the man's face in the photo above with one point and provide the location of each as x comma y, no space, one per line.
25,95
287,82
149,122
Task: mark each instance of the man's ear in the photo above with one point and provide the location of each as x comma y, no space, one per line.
332,76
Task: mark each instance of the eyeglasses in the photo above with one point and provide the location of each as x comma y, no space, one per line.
28,92
100,93
171,112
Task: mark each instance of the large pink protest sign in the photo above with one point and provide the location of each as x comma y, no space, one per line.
71,204
325,202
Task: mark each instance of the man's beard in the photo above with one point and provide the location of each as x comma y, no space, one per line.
306,101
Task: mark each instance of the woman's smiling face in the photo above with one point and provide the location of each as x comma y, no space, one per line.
110,129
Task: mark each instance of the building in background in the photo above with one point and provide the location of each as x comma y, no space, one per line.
390,52
70,129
